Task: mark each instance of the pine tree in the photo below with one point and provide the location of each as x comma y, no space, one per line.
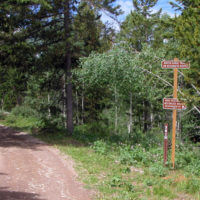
187,34
140,26
46,29
16,54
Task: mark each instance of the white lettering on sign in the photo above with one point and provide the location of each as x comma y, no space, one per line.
171,64
172,104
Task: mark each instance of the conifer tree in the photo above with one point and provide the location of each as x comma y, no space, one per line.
140,26
46,26
187,34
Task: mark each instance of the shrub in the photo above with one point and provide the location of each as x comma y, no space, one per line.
100,147
192,186
194,167
136,154
2,115
157,169
24,111
149,182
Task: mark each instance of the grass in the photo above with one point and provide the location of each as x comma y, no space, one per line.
123,171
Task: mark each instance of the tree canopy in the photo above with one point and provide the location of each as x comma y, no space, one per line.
61,62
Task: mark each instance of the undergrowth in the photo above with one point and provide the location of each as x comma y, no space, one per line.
123,168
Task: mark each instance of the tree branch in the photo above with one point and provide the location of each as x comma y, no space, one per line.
198,92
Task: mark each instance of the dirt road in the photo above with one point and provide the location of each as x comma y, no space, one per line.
32,170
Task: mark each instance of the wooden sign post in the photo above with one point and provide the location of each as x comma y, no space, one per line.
174,104
174,115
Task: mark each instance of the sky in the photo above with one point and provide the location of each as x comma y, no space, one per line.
127,6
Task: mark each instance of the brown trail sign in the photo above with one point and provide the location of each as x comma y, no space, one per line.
174,64
171,104
174,104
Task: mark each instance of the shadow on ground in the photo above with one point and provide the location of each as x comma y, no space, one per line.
12,138
5,194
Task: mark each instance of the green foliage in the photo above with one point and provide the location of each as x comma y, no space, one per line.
2,115
136,154
157,169
141,26
100,147
126,156
100,167
191,186
117,181
193,167
29,124
149,182
24,111
121,72
187,34
163,191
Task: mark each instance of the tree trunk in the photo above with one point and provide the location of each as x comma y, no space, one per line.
146,115
82,106
151,118
68,68
2,105
116,111
77,110
19,100
49,110
130,124
64,101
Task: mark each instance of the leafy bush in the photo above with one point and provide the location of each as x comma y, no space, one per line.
11,119
100,147
126,155
157,169
117,181
134,154
2,115
149,182
184,158
194,167
24,111
191,186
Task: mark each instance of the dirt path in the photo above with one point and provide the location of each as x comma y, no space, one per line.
32,170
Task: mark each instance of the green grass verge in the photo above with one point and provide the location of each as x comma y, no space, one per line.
120,171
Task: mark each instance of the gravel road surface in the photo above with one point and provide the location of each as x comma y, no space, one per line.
33,170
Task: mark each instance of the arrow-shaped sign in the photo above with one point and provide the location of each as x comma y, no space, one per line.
173,104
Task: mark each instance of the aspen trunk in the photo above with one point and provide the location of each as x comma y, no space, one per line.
82,105
77,110
82,108
130,124
151,118
178,124
116,111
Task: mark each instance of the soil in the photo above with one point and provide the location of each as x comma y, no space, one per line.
33,170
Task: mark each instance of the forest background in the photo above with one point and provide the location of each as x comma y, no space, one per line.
63,72
61,64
